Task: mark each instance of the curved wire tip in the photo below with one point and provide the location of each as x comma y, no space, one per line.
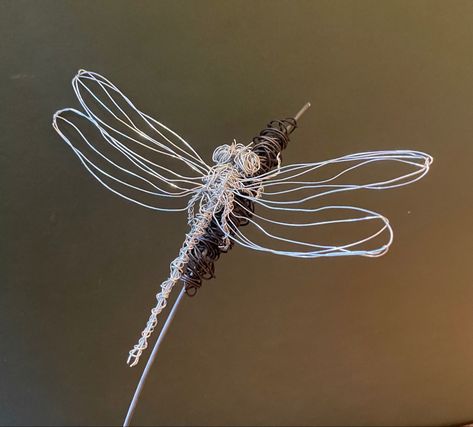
302,111
132,360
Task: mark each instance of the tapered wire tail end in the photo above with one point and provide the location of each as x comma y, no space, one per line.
132,361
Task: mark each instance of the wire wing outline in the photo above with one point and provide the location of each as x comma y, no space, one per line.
282,182
110,113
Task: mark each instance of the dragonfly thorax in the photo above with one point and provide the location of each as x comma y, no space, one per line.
233,165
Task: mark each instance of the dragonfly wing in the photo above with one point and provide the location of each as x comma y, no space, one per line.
296,214
126,150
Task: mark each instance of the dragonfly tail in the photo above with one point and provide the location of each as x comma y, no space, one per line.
177,268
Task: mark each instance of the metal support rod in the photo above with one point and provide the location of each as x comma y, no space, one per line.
306,106
302,111
152,357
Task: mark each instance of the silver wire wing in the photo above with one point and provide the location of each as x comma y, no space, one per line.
126,150
303,199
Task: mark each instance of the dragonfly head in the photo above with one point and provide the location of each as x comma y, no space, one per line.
238,156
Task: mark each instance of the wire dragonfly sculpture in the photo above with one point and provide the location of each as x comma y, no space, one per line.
140,159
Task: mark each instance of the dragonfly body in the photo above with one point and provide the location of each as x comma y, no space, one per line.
233,163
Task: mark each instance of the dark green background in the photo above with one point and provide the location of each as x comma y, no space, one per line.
331,341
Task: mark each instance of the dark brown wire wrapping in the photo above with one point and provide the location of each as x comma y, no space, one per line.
201,265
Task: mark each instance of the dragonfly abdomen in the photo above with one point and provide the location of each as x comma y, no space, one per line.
178,270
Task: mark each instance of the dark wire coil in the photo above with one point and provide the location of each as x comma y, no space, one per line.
268,145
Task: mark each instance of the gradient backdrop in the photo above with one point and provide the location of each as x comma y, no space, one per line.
322,342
